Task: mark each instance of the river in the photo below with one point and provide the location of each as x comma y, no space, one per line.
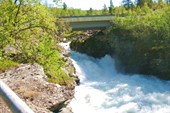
104,90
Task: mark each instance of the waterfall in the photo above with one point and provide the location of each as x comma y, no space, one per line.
104,90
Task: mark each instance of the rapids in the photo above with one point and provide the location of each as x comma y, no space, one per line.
104,90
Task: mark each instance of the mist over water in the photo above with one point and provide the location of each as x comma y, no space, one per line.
104,90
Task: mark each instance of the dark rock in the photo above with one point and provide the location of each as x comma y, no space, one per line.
97,45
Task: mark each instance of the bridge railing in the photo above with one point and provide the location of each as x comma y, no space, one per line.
88,18
15,104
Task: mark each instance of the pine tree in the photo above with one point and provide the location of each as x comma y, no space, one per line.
111,7
127,3
104,9
111,3
141,3
90,11
64,6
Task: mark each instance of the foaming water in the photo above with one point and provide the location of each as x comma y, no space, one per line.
104,90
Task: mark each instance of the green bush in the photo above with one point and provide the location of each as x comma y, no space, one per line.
7,64
57,75
32,30
142,43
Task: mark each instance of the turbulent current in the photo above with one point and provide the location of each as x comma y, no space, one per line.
104,90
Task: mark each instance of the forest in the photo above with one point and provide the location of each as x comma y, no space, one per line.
30,33
127,8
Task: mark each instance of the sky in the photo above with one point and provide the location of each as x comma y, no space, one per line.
87,4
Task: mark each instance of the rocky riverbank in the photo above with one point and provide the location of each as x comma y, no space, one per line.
132,55
31,84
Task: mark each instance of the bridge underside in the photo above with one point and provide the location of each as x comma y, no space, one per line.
89,22
89,25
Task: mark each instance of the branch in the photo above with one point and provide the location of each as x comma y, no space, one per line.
15,19
31,27
15,1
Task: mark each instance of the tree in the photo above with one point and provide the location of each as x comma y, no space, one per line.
145,8
111,3
150,3
23,23
141,3
104,9
90,11
127,3
160,1
58,2
64,6
111,7
29,28
167,1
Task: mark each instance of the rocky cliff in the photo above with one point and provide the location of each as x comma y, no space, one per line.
31,84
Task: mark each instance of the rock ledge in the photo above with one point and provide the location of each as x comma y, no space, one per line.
30,83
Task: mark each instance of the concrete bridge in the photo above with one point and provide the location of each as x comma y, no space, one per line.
88,22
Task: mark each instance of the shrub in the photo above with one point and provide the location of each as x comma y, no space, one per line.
7,64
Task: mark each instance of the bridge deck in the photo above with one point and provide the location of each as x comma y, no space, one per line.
88,18
89,22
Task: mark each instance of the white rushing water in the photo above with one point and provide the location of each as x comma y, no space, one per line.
104,90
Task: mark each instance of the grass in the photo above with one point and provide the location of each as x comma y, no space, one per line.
7,64
57,75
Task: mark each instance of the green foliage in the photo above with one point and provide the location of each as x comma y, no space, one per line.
53,64
32,30
145,43
141,3
167,1
140,41
90,11
7,64
64,6
57,75
111,7
127,3
104,10
134,7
